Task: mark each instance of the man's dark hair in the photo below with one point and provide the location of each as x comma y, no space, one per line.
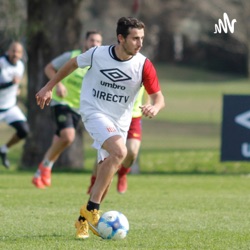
125,23
91,32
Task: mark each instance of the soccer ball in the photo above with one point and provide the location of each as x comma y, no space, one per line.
113,225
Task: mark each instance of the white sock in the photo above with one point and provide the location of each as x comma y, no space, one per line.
4,149
48,164
37,173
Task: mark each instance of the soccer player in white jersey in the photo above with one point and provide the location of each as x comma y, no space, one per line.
11,73
109,90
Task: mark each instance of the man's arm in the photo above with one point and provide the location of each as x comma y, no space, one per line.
43,97
50,72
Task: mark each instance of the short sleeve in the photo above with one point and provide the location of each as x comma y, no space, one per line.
150,78
85,59
59,61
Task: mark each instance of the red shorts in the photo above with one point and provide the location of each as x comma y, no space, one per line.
135,129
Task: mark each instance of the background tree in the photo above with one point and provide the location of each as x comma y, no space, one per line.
53,27
12,22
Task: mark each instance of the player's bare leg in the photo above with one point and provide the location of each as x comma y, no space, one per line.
42,176
106,170
60,143
133,146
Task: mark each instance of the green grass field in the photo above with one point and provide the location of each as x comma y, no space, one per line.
184,198
165,211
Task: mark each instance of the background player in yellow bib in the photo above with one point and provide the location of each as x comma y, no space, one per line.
65,106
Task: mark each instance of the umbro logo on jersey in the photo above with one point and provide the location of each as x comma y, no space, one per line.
115,75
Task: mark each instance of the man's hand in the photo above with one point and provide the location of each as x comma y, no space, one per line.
149,110
16,80
43,97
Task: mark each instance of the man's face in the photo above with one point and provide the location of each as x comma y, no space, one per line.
93,40
15,52
133,42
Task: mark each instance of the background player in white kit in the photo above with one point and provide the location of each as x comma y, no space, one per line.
109,90
11,73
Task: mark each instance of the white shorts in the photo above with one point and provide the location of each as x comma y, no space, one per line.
100,129
12,115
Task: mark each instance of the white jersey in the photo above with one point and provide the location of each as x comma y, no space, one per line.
8,89
110,86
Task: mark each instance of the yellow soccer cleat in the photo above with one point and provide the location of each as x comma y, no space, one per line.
92,217
82,229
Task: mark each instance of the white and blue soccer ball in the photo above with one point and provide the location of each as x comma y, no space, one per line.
113,225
